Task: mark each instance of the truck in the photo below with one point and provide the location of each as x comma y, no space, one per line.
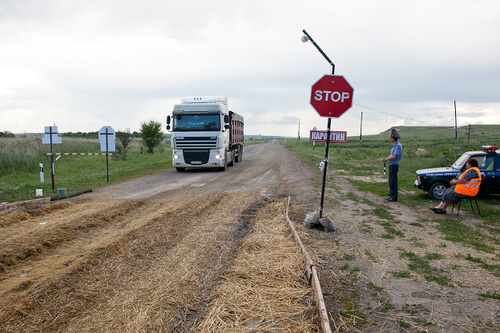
436,180
205,134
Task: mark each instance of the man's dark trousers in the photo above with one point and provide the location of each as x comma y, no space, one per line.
393,181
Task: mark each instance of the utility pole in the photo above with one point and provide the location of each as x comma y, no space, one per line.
456,129
298,134
468,139
361,128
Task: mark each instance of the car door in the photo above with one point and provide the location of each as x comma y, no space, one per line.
496,176
487,168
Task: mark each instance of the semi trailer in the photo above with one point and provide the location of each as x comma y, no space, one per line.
205,134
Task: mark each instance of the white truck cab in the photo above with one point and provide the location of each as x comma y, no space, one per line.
205,134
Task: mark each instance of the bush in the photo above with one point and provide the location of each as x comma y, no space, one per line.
151,135
123,142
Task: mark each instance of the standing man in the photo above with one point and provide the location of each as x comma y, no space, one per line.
393,159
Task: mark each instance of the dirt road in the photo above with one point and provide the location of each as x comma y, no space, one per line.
144,255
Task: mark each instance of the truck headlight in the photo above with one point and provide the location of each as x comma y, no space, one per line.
175,157
217,156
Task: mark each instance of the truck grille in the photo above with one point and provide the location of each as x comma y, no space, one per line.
196,142
196,157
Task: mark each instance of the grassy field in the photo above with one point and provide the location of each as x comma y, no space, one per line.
20,158
423,147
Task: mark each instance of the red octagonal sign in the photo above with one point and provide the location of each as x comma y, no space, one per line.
331,96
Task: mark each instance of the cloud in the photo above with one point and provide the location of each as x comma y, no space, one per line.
85,64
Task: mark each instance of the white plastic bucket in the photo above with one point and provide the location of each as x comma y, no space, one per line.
61,192
39,192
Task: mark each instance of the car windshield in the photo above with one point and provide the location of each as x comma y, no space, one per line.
209,122
460,162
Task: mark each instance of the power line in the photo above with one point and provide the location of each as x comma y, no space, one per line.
409,118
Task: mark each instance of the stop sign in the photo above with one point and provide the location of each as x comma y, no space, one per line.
331,96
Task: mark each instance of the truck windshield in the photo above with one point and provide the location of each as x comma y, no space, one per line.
209,122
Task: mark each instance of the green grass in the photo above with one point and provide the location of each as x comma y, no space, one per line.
20,175
493,268
490,295
420,150
458,232
422,266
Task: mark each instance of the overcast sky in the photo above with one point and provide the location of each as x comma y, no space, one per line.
86,64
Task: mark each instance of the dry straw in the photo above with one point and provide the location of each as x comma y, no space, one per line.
265,290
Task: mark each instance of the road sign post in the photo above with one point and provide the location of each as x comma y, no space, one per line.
107,136
331,96
51,138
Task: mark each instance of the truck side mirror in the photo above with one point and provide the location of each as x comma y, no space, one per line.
226,126
168,122
226,119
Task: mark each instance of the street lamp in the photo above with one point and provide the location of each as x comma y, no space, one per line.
307,38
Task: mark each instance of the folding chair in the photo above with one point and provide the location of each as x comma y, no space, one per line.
470,202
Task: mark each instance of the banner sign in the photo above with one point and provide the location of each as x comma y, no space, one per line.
335,136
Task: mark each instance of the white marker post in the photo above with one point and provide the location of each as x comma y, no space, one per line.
41,172
107,136
51,138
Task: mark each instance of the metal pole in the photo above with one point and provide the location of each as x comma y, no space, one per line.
107,165
361,128
326,167
320,50
456,131
51,159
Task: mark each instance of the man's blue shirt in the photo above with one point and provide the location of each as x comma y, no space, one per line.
397,149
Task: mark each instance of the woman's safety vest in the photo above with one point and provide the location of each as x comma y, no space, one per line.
471,188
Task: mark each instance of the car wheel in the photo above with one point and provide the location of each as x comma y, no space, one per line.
437,189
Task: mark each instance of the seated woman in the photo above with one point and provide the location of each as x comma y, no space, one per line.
467,185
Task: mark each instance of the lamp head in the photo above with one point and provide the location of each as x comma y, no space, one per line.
305,39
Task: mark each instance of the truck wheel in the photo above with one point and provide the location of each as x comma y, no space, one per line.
233,158
180,169
437,189
224,168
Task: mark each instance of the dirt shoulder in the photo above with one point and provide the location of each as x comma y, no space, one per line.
389,268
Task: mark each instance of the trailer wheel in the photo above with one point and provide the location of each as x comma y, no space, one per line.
233,157
239,155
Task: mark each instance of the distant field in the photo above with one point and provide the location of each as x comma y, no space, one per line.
423,147
20,158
